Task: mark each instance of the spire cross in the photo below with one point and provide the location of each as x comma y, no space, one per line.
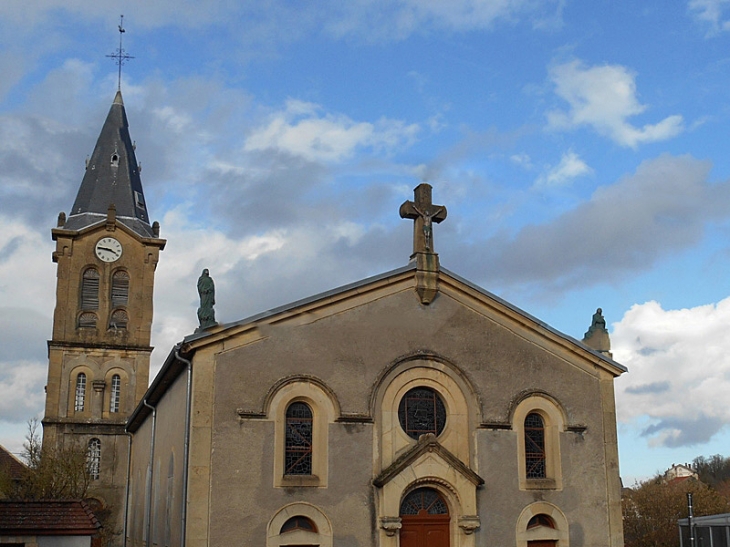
120,55
424,213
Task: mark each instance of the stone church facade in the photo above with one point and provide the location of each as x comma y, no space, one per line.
410,409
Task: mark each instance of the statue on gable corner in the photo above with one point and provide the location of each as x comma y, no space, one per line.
597,335
598,324
206,290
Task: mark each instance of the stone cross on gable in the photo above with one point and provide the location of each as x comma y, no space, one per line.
424,213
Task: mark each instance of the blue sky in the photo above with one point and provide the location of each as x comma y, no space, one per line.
580,147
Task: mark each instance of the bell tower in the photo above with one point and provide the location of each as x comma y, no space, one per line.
99,354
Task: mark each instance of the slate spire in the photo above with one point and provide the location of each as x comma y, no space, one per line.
112,178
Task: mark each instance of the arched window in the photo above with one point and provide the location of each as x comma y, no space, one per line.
422,411
540,520
298,523
90,289
298,446
120,289
308,526
118,320
424,501
115,393
534,446
80,395
87,319
93,458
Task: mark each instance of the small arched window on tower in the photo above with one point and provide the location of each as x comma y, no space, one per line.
80,393
90,289
298,449
535,446
120,289
93,458
116,393
115,159
118,320
87,319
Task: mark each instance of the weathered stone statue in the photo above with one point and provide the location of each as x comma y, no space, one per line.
427,217
597,335
206,290
598,324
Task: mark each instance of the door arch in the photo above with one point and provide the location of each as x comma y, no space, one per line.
424,519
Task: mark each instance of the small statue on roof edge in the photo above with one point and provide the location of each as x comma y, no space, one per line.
206,290
598,324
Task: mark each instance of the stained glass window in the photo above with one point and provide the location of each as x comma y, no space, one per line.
421,411
298,523
93,458
298,447
80,395
115,393
534,446
425,501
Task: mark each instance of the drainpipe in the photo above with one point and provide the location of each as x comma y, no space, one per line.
186,446
148,502
126,488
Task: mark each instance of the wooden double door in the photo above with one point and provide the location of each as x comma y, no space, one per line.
428,531
424,519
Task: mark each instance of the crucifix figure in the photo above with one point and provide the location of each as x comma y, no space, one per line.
424,213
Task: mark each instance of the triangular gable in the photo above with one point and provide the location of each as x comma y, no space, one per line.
456,287
427,444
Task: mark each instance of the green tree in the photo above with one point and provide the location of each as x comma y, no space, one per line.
652,508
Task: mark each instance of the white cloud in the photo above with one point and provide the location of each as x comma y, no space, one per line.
301,130
679,370
711,12
378,19
522,159
604,97
569,168
21,390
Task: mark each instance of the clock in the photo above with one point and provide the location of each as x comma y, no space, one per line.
108,249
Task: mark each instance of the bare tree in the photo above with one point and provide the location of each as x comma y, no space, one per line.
651,510
52,473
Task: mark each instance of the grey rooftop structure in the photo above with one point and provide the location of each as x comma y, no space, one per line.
112,178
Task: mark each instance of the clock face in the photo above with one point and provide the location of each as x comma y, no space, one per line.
108,249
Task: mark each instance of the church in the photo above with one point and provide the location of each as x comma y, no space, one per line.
409,409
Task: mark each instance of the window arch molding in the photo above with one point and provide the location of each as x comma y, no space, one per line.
324,412
462,408
553,418
322,537
559,533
